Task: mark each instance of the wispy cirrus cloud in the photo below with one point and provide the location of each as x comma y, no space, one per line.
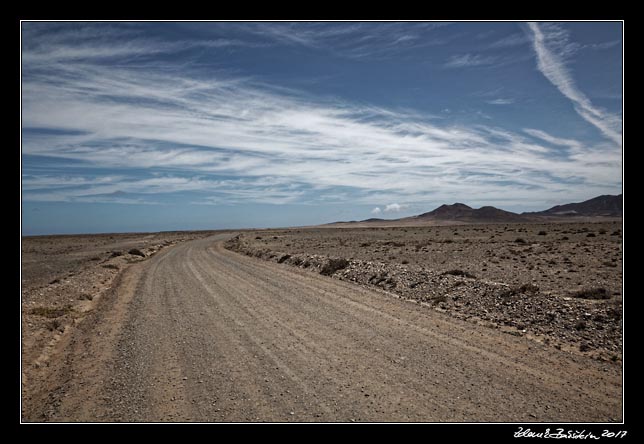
539,134
510,41
353,40
133,134
604,45
46,41
469,60
552,47
500,101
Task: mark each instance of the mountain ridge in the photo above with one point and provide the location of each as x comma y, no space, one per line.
601,206
604,205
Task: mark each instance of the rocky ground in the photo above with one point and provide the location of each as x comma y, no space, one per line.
559,284
202,334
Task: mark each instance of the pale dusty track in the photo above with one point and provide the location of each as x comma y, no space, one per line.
199,333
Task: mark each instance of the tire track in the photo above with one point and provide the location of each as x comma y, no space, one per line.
210,335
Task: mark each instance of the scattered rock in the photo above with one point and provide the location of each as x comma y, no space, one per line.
551,313
460,273
136,252
283,258
592,293
333,265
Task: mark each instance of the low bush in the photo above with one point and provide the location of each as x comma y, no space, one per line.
457,272
333,265
592,293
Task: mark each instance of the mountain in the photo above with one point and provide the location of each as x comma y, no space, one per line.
606,205
454,211
462,212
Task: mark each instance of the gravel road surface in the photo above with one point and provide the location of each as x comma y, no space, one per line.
200,333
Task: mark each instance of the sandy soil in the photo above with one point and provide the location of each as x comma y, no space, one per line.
201,333
64,278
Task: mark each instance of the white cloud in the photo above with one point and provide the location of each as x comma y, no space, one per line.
501,101
604,45
238,140
467,60
376,210
356,40
509,41
574,144
552,65
394,208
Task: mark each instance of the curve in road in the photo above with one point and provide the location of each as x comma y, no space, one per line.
199,333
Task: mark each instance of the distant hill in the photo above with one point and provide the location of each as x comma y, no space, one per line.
457,210
462,212
600,206
606,205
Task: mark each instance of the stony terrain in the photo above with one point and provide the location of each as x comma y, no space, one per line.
63,279
559,284
196,332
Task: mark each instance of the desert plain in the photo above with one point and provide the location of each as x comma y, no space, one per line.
458,322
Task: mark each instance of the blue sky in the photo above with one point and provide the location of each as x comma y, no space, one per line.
163,126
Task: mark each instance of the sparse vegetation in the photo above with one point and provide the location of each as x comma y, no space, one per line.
520,289
457,272
333,265
54,325
438,299
592,293
51,312
581,325
283,258
136,252
537,275
296,261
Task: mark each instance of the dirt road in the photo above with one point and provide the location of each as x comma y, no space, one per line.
199,333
